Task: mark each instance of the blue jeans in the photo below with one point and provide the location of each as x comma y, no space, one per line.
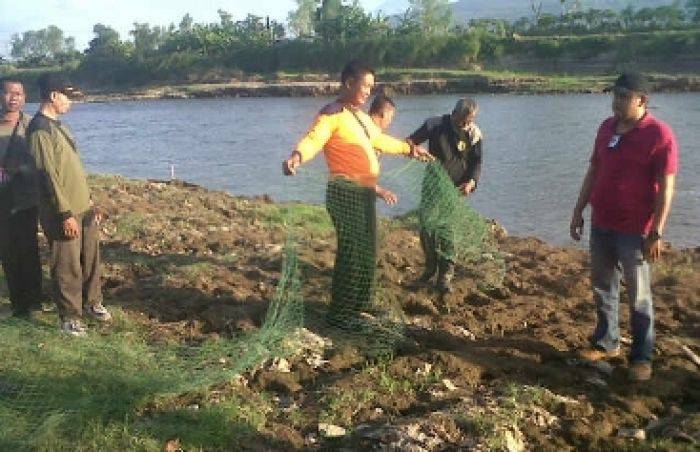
614,255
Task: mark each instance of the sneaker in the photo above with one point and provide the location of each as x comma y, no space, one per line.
640,371
598,354
97,312
445,274
73,328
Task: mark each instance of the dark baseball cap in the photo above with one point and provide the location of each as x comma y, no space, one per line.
51,81
631,81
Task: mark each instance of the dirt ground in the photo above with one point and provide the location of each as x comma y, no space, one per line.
488,367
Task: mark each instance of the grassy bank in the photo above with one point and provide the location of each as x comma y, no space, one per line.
401,81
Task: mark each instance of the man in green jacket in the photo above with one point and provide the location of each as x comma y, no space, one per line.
19,248
67,216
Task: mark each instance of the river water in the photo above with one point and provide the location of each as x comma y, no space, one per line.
536,150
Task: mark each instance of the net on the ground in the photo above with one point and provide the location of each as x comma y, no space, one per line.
53,389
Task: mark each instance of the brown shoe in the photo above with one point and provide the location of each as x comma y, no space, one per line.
640,371
598,354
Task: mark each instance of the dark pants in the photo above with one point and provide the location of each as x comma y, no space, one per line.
352,208
438,248
75,265
19,251
437,212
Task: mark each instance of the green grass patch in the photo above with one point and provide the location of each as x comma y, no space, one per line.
115,390
307,218
131,225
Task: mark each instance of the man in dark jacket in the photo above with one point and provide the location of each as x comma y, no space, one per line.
456,142
67,216
19,249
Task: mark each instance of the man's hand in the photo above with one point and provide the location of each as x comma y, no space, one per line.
576,226
421,154
70,228
653,246
388,196
290,165
468,187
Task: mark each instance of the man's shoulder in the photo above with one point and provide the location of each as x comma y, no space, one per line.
608,123
434,122
24,120
657,126
331,109
39,123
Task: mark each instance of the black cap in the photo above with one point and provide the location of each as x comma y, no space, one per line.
631,81
51,81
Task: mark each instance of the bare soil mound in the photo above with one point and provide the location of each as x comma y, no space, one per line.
484,367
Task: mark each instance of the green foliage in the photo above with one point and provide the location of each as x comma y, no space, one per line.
574,20
44,47
330,32
432,16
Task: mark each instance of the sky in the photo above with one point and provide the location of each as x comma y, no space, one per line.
76,17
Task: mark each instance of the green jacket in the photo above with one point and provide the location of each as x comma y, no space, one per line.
63,185
23,187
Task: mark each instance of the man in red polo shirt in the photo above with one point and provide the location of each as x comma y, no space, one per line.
630,184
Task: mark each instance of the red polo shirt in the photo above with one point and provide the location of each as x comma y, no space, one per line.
627,174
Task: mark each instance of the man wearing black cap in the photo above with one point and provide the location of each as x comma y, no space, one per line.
629,183
67,216
19,248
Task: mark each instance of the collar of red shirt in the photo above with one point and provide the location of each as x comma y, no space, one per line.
643,121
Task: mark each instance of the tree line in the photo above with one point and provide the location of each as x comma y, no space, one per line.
320,34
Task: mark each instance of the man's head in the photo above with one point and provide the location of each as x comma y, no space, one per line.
55,91
630,96
382,111
357,80
464,113
13,97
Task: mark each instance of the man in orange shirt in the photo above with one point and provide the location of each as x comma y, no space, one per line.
349,138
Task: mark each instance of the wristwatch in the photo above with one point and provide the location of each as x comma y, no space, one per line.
654,235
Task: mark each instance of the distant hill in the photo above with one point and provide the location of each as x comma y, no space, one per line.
515,9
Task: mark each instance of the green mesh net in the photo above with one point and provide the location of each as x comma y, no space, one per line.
54,390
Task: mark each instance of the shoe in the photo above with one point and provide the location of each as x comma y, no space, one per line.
422,280
447,272
73,328
640,371
97,312
444,285
31,315
598,354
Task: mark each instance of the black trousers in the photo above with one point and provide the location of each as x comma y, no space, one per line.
19,251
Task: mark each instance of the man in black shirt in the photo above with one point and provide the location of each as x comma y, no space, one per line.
456,142
19,196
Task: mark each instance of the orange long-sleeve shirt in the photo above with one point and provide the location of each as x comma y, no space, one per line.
349,147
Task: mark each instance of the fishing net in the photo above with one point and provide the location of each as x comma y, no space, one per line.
359,305
53,389
52,386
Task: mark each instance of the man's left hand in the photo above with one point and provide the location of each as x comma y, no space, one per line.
653,246
468,187
420,153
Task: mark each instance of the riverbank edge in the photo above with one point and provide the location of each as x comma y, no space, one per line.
476,84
